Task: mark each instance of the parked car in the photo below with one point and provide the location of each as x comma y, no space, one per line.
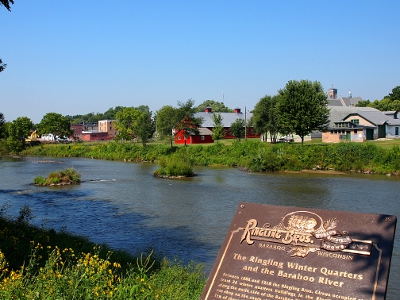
286,139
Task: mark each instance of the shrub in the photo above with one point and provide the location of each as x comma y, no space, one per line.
68,176
174,167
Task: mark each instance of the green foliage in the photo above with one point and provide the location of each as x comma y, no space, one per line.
174,166
215,106
20,128
55,124
176,281
237,129
2,126
67,176
388,103
110,114
17,131
302,108
187,123
15,145
39,263
218,131
395,94
265,117
134,123
166,120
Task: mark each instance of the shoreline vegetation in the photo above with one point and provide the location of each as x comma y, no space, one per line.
248,155
40,263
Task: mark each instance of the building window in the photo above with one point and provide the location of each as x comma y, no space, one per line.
396,131
179,138
202,137
355,121
355,130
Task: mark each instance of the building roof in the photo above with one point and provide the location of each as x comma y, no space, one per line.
377,117
334,102
373,115
227,118
338,113
205,131
350,101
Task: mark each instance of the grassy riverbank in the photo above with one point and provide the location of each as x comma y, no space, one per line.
253,155
39,263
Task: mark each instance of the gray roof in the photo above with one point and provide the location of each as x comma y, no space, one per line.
377,117
374,117
227,118
351,101
334,102
338,113
344,101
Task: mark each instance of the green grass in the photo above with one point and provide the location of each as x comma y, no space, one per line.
385,143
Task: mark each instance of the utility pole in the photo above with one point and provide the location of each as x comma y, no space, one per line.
245,124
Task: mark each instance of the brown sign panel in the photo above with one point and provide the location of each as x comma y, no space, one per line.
291,253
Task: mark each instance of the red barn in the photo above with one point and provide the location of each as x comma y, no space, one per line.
208,125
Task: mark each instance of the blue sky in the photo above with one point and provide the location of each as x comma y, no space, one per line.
76,57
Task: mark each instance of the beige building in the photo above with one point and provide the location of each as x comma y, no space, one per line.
109,127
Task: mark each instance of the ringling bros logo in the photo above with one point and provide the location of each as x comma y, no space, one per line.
305,232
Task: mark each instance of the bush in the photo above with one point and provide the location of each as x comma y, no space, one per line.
174,167
68,176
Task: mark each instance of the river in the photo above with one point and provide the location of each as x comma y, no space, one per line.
123,205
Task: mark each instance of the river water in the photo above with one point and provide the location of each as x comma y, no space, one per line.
123,205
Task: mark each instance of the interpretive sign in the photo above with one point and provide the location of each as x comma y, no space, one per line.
290,253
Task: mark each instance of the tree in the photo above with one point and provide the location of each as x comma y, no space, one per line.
237,128
302,108
144,127
110,114
2,66
2,126
55,124
18,130
6,4
166,120
218,131
215,106
264,119
187,121
395,94
134,123
126,123
363,103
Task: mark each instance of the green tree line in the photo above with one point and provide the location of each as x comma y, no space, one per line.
388,103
